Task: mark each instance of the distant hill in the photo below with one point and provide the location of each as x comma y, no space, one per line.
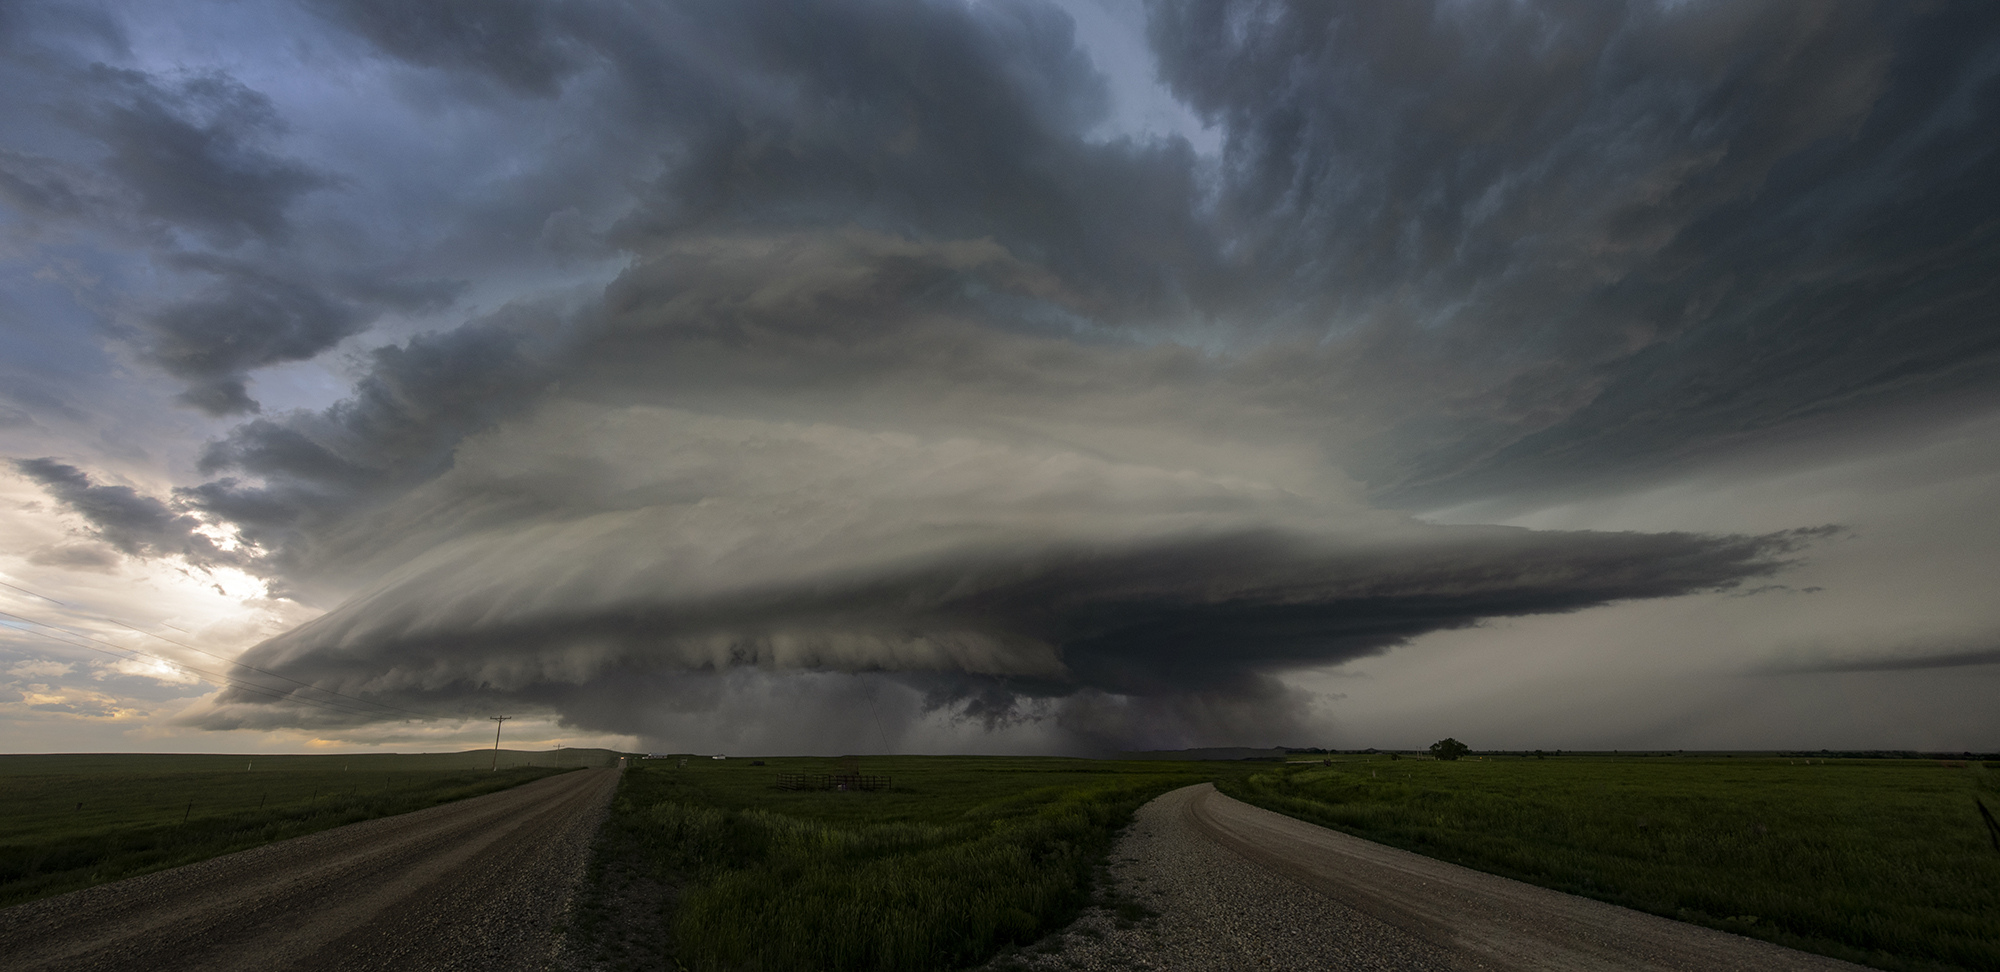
483,758
1221,752
115,764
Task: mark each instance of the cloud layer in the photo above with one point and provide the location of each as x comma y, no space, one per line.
706,351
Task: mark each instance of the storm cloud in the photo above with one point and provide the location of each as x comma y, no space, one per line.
190,153
721,467
1773,216
188,168
125,519
845,356
983,625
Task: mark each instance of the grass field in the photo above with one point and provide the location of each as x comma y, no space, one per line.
1883,862
960,857
71,821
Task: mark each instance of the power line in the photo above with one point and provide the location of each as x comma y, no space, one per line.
211,676
261,671
211,654
223,679
498,721
30,593
215,676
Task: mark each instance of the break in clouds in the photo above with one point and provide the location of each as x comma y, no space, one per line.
832,363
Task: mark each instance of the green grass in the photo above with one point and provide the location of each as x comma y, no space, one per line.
1883,862
71,821
962,857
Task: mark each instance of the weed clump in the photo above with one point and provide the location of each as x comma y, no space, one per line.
961,859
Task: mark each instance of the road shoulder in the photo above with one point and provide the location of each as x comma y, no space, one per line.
1173,899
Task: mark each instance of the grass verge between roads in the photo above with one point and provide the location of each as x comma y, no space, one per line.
1882,862
71,821
960,858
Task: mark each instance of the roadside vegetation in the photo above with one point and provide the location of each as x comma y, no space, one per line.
959,858
1883,862
71,821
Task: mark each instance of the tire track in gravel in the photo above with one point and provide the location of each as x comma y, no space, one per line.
1204,883
474,884
1482,920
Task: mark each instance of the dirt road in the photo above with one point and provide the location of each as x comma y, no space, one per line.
474,885
1204,883
1480,920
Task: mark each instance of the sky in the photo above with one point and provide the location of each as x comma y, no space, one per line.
831,376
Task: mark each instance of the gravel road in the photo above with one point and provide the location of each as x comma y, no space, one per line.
476,885
1204,882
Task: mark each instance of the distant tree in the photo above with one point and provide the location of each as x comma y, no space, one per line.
1449,748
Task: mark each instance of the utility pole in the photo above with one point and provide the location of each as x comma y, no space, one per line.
498,721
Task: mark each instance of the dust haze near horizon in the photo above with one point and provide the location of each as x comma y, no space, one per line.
1049,377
